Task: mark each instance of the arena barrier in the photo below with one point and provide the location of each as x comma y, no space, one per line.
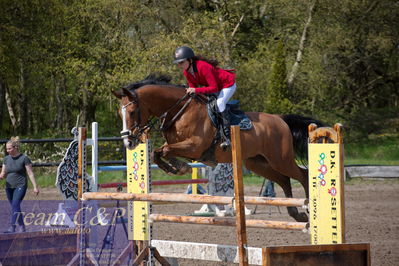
322,182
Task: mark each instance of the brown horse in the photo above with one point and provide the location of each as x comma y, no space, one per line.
267,148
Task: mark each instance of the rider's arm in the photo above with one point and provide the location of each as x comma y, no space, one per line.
207,72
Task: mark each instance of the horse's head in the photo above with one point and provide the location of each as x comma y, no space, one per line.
129,111
157,97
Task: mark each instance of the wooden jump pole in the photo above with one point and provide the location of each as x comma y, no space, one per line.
187,198
298,226
241,229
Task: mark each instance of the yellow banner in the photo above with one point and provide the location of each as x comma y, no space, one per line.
326,194
138,181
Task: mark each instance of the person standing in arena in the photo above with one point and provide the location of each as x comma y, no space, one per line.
16,167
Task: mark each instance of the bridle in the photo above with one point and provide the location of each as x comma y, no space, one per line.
126,133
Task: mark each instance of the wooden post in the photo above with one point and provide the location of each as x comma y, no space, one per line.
326,185
239,195
81,160
340,140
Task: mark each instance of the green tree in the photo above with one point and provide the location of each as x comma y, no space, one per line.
277,100
59,59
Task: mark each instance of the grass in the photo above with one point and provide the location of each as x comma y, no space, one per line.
376,150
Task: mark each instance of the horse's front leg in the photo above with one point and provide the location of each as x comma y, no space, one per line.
184,149
167,168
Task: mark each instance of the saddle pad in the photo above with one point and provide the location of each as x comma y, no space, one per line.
237,117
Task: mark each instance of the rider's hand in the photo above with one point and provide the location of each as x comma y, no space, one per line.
190,90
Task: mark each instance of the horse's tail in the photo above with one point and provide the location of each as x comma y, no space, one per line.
299,130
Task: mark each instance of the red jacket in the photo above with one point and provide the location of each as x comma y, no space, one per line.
210,78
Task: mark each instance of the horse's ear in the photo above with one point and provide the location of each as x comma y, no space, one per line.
118,94
122,93
129,94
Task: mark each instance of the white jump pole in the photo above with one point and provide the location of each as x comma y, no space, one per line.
94,154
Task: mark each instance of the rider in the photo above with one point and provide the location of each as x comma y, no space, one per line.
204,76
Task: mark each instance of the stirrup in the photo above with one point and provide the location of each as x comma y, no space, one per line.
225,144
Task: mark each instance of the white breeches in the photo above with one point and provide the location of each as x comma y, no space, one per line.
224,96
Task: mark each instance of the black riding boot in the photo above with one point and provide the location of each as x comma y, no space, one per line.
225,130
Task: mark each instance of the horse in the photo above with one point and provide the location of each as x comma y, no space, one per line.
268,149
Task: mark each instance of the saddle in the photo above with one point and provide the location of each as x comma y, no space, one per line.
237,117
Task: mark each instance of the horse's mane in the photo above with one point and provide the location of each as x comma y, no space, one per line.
152,79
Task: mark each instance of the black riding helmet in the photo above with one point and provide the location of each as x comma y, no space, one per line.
183,53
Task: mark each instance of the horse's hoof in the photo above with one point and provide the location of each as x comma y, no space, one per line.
302,217
185,170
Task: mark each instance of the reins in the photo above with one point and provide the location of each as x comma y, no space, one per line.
163,126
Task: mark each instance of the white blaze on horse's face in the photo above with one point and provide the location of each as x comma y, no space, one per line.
126,130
